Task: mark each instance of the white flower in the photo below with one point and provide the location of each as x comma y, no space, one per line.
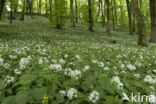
131,67
149,79
86,68
119,56
6,65
65,56
137,75
72,93
106,68
63,93
40,61
78,57
61,61
12,57
17,71
1,61
94,96
122,66
75,74
24,62
117,80
94,61
54,61
9,79
56,67
101,64
154,71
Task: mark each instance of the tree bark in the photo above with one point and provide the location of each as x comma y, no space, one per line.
71,13
108,17
153,20
99,10
40,6
23,11
76,10
129,16
90,16
1,8
103,17
140,23
46,7
50,3
30,8
11,12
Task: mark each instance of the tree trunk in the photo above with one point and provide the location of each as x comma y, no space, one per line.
76,8
23,11
99,10
121,10
108,18
71,13
129,16
115,10
90,16
153,20
1,8
40,6
11,12
113,18
50,3
30,8
46,7
103,17
140,23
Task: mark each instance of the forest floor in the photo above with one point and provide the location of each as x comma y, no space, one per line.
38,60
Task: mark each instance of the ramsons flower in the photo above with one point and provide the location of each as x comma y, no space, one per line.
131,67
117,80
9,79
17,71
149,79
72,93
94,96
55,67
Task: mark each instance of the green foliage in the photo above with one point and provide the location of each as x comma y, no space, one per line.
78,49
59,12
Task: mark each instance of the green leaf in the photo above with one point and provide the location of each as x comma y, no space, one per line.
9,100
22,97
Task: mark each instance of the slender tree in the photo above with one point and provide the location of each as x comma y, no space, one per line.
76,11
153,20
90,16
23,11
71,13
129,16
11,12
108,17
140,23
50,3
1,8
103,17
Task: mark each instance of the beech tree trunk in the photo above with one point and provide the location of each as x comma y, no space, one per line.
153,20
108,17
129,16
140,23
90,16
71,13
23,11
11,12
103,17
76,11
50,3
1,8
